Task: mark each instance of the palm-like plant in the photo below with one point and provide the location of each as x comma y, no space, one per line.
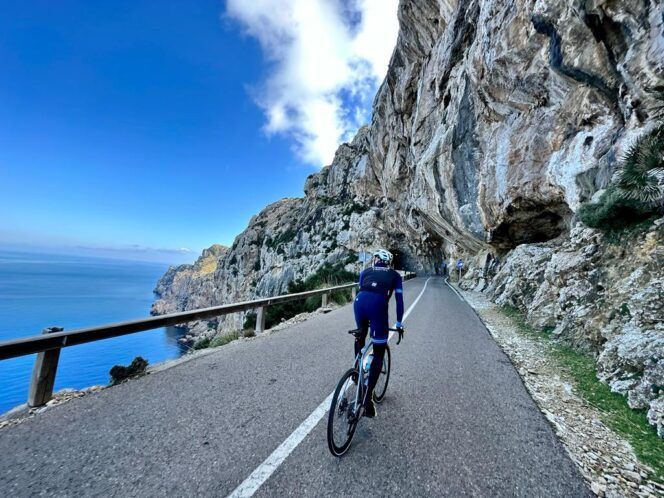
657,109
642,176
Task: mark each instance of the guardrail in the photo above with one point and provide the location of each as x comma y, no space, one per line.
53,339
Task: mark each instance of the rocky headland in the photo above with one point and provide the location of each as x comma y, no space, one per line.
497,121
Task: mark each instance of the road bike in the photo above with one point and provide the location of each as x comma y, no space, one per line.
347,409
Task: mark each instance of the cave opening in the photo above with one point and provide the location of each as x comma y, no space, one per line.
398,259
527,221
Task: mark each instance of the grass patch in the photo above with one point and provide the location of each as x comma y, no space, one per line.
222,339
201,344
615,412
519,320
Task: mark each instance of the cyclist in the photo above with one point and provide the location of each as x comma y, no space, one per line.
376,287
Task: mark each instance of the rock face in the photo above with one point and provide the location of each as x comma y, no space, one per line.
599,296
288,240
495,121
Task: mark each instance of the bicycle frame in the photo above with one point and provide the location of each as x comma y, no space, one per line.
359,361
358,365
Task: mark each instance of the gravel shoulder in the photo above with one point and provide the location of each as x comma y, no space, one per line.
604,458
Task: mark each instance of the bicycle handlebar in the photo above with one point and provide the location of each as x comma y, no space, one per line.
357,333
398,331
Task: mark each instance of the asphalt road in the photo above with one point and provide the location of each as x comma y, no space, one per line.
456,421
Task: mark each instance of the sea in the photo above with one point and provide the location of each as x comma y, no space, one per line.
42,290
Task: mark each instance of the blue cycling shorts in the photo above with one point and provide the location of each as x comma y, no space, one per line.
371,312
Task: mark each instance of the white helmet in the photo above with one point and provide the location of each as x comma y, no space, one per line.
383,255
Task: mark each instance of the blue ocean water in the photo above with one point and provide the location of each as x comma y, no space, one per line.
41,290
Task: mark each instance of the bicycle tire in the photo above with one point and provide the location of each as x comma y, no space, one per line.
379,394
335,415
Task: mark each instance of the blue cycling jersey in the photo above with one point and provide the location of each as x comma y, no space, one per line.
383,281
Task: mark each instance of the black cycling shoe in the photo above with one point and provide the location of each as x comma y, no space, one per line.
370,409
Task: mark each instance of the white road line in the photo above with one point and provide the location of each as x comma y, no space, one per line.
447,282
263,472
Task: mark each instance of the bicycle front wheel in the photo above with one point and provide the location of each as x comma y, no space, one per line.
383,378
342,418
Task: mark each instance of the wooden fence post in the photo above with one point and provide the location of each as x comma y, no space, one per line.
260,319
43,373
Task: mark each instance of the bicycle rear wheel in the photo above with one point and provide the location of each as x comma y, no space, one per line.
341,420
383,378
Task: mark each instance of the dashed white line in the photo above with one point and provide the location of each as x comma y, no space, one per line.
263,472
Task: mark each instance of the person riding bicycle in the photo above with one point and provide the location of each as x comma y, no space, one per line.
371,311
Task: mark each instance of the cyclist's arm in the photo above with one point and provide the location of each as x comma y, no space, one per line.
398,297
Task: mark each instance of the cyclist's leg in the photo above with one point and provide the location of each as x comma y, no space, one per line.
379,335
362,322
376,365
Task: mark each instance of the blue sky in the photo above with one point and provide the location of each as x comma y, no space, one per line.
146,127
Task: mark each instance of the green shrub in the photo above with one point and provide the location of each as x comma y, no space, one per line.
327,275
120,373
222,339
250,320
354,208
613,211
638,193
352,258
201,343
281,239
642,171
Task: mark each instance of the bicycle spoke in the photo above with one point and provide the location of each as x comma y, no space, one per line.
342,419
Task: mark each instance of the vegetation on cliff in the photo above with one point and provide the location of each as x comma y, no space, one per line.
327,275
638,192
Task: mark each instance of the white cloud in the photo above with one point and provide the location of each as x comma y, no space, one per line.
327,65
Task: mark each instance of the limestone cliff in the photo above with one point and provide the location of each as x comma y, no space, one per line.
288,240
496,120
600,296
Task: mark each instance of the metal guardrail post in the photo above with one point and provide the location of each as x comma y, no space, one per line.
43,373
326,300
260,319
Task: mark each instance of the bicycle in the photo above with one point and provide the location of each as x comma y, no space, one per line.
346,409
